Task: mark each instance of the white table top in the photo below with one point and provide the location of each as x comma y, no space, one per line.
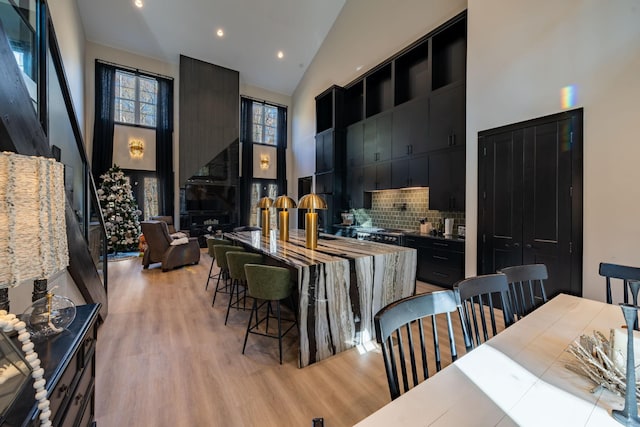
517,378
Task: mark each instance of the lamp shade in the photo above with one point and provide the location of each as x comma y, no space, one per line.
265,203
33,232
285,202
312,201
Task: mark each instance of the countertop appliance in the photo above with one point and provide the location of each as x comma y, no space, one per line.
389,236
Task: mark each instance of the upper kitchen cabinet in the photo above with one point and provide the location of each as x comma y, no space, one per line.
412,73
379,91
377,141
447,117
355,147
329,109
410,129
447,180
324,151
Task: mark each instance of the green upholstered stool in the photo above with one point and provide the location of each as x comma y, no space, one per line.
236,262
269,284
220,252
210,244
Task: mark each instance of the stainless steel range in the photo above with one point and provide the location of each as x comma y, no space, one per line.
381,235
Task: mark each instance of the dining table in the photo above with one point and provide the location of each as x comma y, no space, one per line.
519,377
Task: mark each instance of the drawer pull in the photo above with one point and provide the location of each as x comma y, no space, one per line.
79,398
437,273
446,245
443,258
63,389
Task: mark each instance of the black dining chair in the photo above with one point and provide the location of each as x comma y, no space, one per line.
400,329
526,284
630,277
482,297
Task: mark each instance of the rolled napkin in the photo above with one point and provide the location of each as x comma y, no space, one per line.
618,349
180,241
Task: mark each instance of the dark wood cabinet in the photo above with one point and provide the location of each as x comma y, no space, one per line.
377,138
377,176
324,183
447,117
447,180
355,145
440,261
412,172
530,198
68,360
324,151
354,188
410,128
379,94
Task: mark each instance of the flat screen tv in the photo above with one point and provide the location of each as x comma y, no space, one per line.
210,197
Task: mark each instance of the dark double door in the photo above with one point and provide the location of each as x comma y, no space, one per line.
530,198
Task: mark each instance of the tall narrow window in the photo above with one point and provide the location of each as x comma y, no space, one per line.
136,99
265,123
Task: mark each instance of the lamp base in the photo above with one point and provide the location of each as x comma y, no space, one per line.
4,299
284,226
39,289
311,230
265,222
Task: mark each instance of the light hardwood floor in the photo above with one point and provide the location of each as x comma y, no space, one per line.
165,358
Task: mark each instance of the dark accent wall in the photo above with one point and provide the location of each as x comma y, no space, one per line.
209,114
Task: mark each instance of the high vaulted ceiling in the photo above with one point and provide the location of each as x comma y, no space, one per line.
254,31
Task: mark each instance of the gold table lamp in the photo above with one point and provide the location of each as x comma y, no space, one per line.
284,203
265,203
311,202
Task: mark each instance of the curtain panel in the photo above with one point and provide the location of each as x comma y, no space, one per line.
282,151
164,146
102,150
246,127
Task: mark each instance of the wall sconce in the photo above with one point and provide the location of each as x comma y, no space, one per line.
136,148
264,161
33,231
265,203
311,202
284,203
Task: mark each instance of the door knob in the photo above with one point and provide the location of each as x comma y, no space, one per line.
528,246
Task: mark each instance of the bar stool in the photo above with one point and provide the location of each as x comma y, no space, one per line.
210,244
236,262
268,284
220,252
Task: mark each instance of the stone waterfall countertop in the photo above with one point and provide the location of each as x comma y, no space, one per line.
342,284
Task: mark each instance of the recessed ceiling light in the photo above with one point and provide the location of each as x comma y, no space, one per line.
359,67
138,3
280,54
220,32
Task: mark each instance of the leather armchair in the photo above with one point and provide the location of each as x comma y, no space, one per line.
160,249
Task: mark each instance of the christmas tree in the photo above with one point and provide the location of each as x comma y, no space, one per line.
120,211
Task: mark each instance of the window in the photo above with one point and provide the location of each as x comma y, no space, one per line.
136,98
265,123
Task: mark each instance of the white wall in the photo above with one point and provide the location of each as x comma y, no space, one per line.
520,54
71,39
366,33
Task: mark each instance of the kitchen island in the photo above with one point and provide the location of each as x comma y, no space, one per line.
341,285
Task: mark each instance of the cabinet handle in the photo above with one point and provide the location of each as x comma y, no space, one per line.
63,390
79,398
437,273
453,139
528,246
506,245
443,258
410,149
516,245
445,245
377,156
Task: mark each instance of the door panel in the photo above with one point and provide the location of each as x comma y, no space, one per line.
526,210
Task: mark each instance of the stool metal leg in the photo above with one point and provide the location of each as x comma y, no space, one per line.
279,331
213,260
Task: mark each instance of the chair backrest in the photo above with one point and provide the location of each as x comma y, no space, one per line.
622,272
268,282
401,323
481,295
165,218
236,261
526,283
156,234
221,254
211,242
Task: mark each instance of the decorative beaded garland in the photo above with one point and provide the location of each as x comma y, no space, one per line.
9,322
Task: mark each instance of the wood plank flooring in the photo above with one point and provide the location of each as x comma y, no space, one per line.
165,358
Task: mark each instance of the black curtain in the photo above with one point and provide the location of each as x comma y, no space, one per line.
102,157
164,146
246,127
282,151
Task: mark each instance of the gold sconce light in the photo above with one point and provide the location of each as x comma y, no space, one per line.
264,161
284,203
265,203
136,148
311,202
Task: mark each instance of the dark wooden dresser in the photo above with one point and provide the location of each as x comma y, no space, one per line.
68,360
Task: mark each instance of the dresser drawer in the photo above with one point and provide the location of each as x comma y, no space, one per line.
63,390
80,398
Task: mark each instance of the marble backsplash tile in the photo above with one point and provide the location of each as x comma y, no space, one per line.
403,209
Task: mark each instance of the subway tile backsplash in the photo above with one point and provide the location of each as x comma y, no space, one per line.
403,209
